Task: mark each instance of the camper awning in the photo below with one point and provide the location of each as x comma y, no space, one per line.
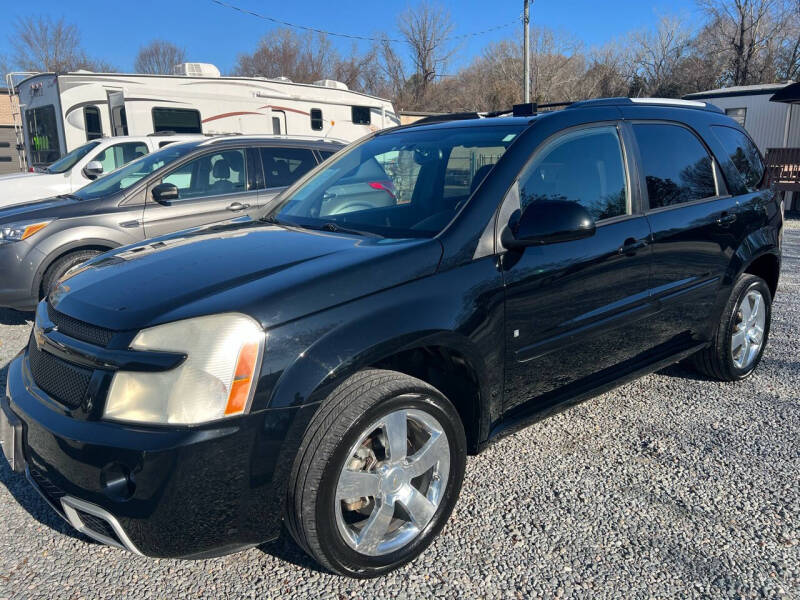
789,94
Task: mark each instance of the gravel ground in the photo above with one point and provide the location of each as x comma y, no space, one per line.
672,486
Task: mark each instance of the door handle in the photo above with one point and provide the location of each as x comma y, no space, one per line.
237,206
726,219
630,246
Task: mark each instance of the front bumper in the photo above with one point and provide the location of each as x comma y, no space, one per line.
162,492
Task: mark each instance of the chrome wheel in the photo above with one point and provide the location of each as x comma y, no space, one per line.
392,482
748,330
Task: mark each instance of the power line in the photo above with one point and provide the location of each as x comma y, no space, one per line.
350,36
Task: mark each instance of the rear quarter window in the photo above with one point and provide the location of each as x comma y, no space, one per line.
743,154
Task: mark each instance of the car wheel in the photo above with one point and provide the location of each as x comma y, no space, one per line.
60,267
741,335
377,474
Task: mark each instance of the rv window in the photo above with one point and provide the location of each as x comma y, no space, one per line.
276,125
43,143
284,166
316,119
361,115
115,156
94,127
179,120
737,114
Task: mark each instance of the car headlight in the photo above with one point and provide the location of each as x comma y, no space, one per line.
15,232
217,379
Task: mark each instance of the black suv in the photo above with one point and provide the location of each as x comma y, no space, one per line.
330,365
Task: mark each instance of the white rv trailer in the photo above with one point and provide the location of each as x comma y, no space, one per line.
59,112
770,124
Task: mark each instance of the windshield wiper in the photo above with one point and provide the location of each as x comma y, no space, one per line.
69,196
336,228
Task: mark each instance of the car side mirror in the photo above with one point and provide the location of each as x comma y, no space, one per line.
164,193
547,222
93,169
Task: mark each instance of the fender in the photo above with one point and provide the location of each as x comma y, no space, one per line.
59,250
305,360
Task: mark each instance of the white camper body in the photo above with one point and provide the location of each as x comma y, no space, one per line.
59,112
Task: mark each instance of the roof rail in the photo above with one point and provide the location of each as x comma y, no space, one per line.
622,101
518,110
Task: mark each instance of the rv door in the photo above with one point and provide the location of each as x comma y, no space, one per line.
278,122
116,109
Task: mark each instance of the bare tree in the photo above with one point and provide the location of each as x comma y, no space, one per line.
426,29
158,58
283,53
743,31
657,54
44,44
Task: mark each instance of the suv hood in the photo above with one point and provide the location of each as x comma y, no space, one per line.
35,209
27,187
273,273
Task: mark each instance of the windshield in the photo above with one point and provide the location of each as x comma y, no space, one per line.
409,183
134,171
66,162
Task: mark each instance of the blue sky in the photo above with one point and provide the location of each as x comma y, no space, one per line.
211,33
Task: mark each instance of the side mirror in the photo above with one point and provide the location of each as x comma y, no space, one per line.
164,193
93,169
547,222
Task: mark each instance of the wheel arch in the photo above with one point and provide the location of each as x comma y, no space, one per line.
441,358
55,254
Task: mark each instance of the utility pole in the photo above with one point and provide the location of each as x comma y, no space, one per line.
526,49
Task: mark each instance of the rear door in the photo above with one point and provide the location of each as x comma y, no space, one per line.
573,309
282,166
212,187
695,227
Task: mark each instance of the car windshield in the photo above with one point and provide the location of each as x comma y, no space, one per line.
66,162
408,183
134,171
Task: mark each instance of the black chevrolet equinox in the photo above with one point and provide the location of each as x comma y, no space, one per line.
329,364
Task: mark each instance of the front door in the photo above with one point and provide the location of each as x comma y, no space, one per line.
211,187
573,308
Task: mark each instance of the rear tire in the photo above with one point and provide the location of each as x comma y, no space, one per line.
741,334
60,267
353,479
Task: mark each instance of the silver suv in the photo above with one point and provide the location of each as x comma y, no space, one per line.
183,185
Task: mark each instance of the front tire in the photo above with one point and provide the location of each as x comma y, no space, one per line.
60,267
377,474
742,333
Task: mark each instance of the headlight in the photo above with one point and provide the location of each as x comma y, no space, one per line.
216,380
21,231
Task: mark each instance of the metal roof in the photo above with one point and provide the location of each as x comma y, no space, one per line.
739,90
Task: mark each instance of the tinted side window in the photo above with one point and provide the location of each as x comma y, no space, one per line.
361,115
316,119
94,128
585,166
179,120
284,166
676,166
117,155
744,155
